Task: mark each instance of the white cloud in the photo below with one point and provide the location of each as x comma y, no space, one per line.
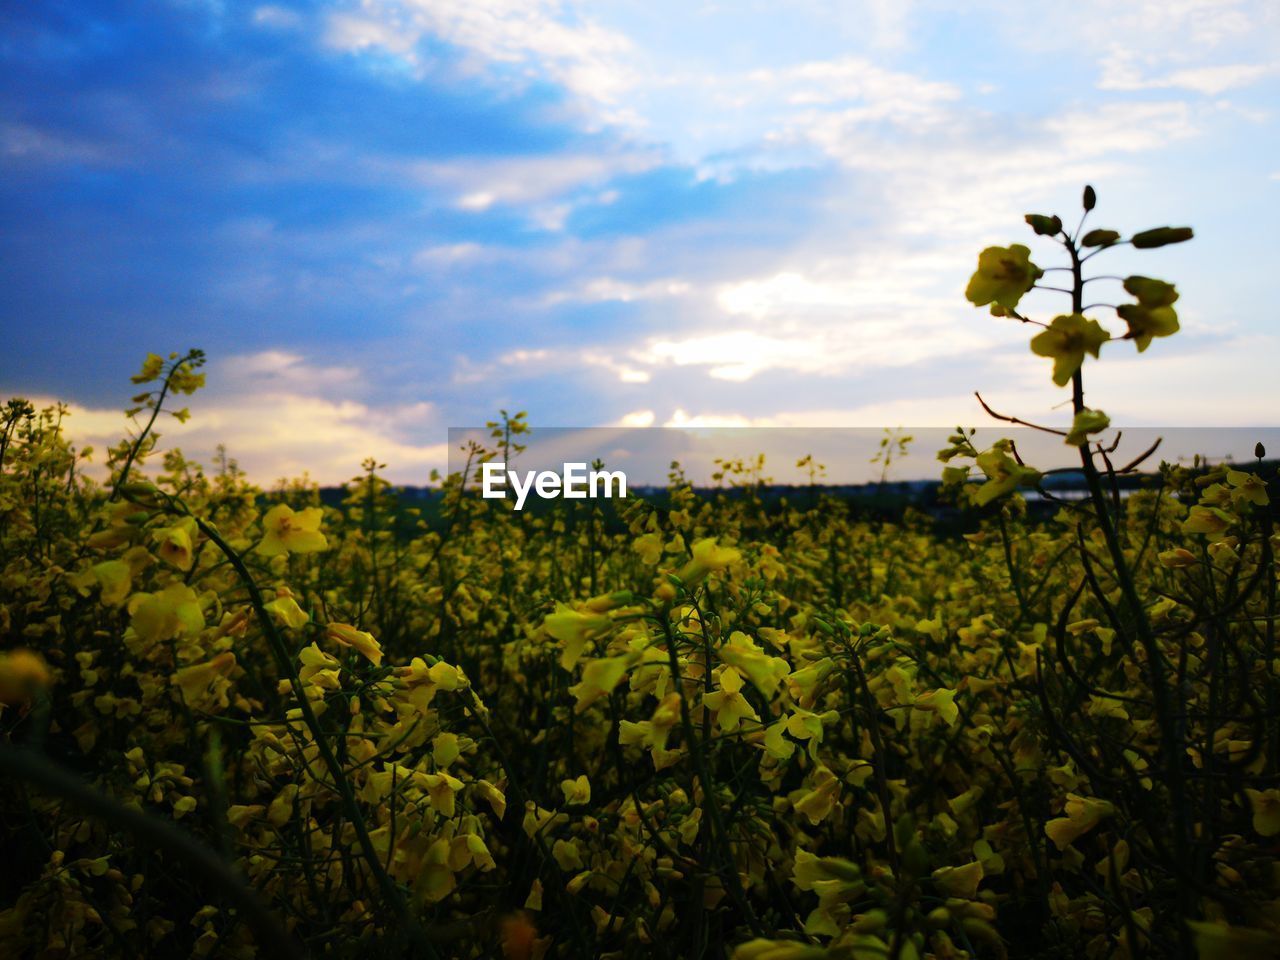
535,36
606,289
1120,73
881,93
624,372
480,183
832,316
1121,128
544,362
707,421
449,254
281,367
740,354
636,419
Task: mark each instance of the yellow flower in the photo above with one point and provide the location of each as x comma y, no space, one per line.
803,684
280,810
652,733
421,683
445,749
22,673
1085,423
1105,706
176,543
992,862
1004,274
577,792
649,546
435,881
285,531
241,815
599,677
708,557
728,703
1247,488
441,788
1082,815
493,796
943,702
349,636
573,629
775,743
1208,520
315,662
1004,474
197,682
151,368
1067,339
1177,557
959,881
285,610
1153,315
116,580
1148,322
764,672
185,380
173,612
817,802
959,804
1266,810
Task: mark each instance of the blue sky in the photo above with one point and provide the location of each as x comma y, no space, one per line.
386,218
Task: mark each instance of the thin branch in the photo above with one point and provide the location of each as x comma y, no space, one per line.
1015,420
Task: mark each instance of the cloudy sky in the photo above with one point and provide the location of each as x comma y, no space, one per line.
385,218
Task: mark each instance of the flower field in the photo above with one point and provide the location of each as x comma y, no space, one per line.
237,723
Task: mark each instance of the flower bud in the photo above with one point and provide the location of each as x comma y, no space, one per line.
1160,236
1044,226
1099,238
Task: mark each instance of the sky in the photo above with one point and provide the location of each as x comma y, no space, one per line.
383,219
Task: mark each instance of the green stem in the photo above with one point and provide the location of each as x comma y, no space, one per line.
729,869
390,891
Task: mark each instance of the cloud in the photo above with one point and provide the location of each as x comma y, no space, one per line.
1120,74
836,316
479,184
280,416
546,362
534,37
280,367
580,210
605,289
868,90
636,419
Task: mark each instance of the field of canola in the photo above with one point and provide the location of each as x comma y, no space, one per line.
235,723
